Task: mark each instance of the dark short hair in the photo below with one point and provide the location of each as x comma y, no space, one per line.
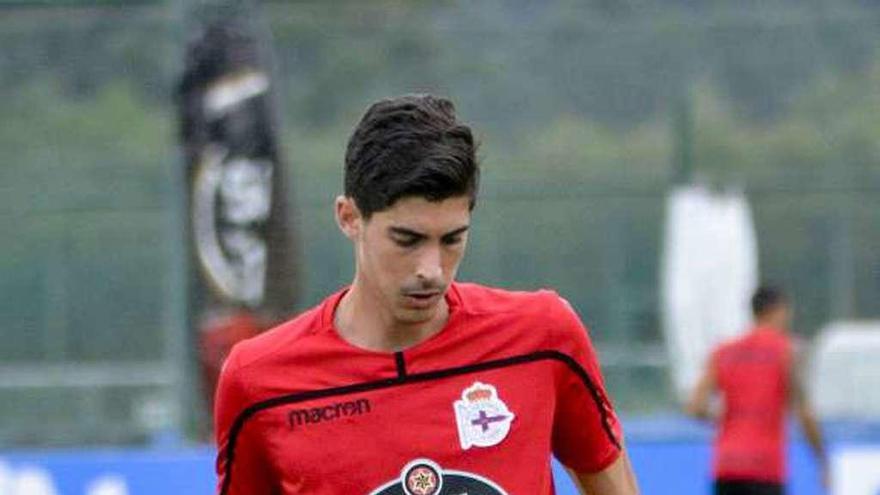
410,145
766,298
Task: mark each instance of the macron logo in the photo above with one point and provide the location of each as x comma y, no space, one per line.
300,417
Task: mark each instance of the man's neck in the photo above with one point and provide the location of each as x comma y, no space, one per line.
363,320
769,325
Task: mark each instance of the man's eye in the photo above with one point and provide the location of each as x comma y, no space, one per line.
406,241
452,241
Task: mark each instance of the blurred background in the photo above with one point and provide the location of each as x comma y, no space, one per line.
597,120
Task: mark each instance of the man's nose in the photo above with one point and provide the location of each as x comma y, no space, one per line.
430,266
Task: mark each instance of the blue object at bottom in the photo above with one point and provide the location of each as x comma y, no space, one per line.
663,467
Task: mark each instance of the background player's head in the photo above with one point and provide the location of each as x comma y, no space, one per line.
411,177
771,308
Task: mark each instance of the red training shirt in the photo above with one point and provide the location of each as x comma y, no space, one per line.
752,373
476,408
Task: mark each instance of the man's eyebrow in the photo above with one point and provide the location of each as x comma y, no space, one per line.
457,231
413,233
405,231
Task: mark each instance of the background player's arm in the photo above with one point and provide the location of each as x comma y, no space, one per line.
616,479
803,410
699,403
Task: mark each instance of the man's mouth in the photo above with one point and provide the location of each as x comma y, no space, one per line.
422,299
423,295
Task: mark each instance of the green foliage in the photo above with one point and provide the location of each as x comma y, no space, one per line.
571,100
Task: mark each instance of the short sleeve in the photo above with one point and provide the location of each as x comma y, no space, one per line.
241,467
587,436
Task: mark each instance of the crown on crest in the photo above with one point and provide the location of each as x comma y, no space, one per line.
478,393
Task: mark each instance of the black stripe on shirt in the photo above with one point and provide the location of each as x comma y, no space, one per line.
401,365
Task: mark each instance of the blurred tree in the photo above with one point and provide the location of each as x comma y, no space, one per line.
571,99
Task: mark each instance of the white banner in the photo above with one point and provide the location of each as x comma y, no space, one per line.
845,376
709,271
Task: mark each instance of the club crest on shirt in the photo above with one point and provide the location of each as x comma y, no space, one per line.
483,418
422,478
426,477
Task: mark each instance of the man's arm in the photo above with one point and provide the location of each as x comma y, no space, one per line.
803,410
616,479
247,472
700,399
587,435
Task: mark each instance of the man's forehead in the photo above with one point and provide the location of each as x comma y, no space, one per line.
420,214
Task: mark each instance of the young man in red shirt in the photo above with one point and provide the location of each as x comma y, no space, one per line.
407,382
756,375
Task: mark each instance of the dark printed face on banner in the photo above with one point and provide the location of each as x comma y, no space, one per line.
425,477
234,170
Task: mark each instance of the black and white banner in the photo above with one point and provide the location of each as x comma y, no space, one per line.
239,230
240,240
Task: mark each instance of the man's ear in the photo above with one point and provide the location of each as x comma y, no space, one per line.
348,217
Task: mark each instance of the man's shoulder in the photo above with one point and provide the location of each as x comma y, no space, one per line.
755,341
531,310
284,338
733,345
479,299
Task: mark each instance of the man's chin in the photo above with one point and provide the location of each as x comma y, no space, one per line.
416,315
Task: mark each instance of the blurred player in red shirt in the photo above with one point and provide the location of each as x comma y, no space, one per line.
757,378
407,382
